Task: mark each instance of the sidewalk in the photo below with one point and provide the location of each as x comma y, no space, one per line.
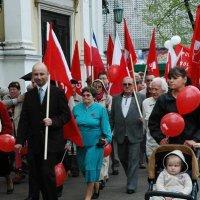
74,189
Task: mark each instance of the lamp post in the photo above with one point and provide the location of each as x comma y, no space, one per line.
118,15
118,12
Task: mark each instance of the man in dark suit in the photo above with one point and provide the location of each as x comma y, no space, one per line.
128,131
32,128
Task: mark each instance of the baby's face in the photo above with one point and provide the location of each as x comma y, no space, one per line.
173,165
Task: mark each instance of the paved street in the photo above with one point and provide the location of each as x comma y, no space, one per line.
74,189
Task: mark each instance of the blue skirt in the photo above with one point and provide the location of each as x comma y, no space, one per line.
90,162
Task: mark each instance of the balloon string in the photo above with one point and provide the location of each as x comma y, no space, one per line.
64,156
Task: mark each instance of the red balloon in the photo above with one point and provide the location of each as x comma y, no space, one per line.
60,174
172,124
7,143
188,100
107,150
113,73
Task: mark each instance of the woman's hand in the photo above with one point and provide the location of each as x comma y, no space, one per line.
164,141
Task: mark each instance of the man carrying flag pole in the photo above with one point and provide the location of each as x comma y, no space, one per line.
32,128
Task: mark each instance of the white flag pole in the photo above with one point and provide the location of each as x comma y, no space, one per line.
47,116
145,73
138,106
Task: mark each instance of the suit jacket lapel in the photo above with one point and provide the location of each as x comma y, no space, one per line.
119,105
36,97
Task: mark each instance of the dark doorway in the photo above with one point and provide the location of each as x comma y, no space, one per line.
61,27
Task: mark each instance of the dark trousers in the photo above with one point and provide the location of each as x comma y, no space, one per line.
42,176
113,156
129,157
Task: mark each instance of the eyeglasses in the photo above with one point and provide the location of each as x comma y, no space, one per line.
127,84
98,86
86,95
149,80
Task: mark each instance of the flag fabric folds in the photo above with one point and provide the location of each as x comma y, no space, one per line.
194,69
97,62
109,52
76,68
87,54
128,44
60,73
152,64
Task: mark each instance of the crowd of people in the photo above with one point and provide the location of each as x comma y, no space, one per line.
129,121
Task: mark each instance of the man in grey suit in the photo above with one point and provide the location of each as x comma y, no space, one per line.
127,127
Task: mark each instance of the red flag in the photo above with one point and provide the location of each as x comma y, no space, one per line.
59,71
152,64
183,56
97,62
109,52
76,68
128,45
87,54
195,51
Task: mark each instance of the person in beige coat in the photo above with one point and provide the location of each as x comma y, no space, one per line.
105,100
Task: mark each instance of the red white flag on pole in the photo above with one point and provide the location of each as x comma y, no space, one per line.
152,64
76,68
118,60
195,51
183,56
59,71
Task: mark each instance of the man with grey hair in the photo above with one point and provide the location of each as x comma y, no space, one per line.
128,131
158,86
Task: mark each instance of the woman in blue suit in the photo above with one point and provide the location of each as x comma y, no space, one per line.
93,122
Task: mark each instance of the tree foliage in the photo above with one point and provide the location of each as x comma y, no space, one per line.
170,18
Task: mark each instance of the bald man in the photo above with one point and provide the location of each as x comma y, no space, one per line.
32,128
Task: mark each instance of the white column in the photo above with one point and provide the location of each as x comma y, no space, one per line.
97,22
17,20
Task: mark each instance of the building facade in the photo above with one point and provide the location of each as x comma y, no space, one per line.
23,31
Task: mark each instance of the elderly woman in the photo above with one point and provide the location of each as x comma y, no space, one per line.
93,122
166,103
105,100
158,86
6,159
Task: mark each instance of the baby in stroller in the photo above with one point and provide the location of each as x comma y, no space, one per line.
173,183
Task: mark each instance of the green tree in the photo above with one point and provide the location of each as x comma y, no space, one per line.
170,17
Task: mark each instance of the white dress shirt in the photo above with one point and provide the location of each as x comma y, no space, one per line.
126,101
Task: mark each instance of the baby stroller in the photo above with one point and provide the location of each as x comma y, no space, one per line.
155,166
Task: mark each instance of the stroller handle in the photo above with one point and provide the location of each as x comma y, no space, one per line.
167,194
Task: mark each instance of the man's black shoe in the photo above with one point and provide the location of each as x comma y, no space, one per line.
115,172
116,163
129,191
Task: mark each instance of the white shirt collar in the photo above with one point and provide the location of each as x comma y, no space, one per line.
44,87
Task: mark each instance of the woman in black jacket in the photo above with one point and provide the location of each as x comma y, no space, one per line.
166,103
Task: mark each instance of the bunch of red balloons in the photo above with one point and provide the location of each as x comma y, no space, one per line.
7,143
172,124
